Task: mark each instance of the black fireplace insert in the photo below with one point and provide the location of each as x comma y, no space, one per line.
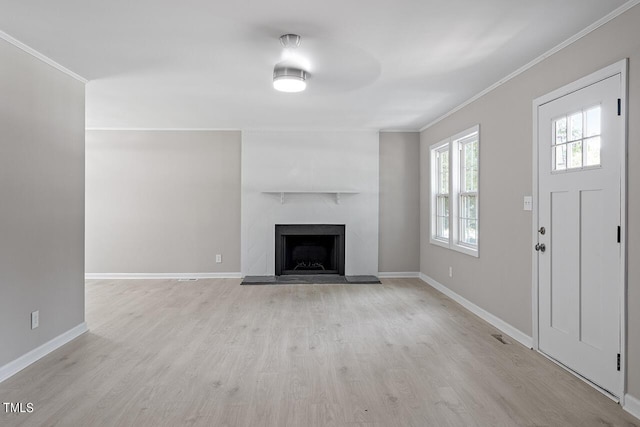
309,249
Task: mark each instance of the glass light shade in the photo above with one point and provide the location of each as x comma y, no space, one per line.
289,84
289,79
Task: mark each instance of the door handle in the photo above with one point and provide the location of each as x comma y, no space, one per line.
540,247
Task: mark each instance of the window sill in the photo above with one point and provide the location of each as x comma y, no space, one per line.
466,250
441,243
458,248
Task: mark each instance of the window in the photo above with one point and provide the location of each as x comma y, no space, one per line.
442,193
454,192
576,140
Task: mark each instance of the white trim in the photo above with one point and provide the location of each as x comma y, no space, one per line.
620,68
623,223
128,276
41,57
495,321
399,131
435,182
632,405
164,129
116,128
38,353
534,230
599,23
398,274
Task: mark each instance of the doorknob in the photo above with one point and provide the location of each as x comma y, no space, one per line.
540,247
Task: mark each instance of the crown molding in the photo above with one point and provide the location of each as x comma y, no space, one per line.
599,23
17,43
310,130
164,129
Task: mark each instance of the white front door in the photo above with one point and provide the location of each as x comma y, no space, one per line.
579,255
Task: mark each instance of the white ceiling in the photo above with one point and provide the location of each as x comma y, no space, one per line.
374,64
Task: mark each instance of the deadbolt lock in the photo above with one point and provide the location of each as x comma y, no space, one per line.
542,230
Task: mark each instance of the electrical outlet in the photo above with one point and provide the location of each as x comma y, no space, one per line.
218,258
35,319
450,271
528,203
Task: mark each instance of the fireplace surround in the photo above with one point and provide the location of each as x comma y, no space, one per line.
309,249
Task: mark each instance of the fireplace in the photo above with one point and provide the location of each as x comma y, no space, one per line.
309,249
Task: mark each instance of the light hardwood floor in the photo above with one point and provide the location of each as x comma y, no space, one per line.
214,353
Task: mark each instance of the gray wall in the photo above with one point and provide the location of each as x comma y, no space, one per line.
399,247
163,201
500,280
42,202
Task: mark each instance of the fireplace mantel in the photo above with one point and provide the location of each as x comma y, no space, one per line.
336,193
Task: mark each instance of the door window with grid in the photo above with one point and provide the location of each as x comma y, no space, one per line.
576,140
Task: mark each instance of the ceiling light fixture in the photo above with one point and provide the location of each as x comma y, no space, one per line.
287,78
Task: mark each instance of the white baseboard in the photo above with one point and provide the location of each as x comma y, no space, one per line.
632,405
113,276
398,274
503,326
38,353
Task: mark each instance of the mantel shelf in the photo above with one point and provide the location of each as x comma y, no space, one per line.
336,193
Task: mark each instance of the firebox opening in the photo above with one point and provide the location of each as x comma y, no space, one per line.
309,249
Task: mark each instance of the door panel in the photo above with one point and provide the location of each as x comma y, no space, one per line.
591,268
562,276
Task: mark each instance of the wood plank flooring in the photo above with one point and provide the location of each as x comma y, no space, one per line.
214,353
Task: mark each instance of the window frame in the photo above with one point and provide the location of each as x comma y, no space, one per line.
455,144
436,149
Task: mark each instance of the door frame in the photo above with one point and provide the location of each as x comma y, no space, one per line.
621,68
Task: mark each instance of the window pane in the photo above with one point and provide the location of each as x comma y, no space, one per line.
561,157
561,130
593,122
575,155
592,148
469,166
468,207
442,227
443,186
469,231
442,208
575,126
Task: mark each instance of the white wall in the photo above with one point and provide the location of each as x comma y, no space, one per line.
163,202
274,161
41,202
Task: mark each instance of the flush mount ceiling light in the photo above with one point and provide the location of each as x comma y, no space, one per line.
288,78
